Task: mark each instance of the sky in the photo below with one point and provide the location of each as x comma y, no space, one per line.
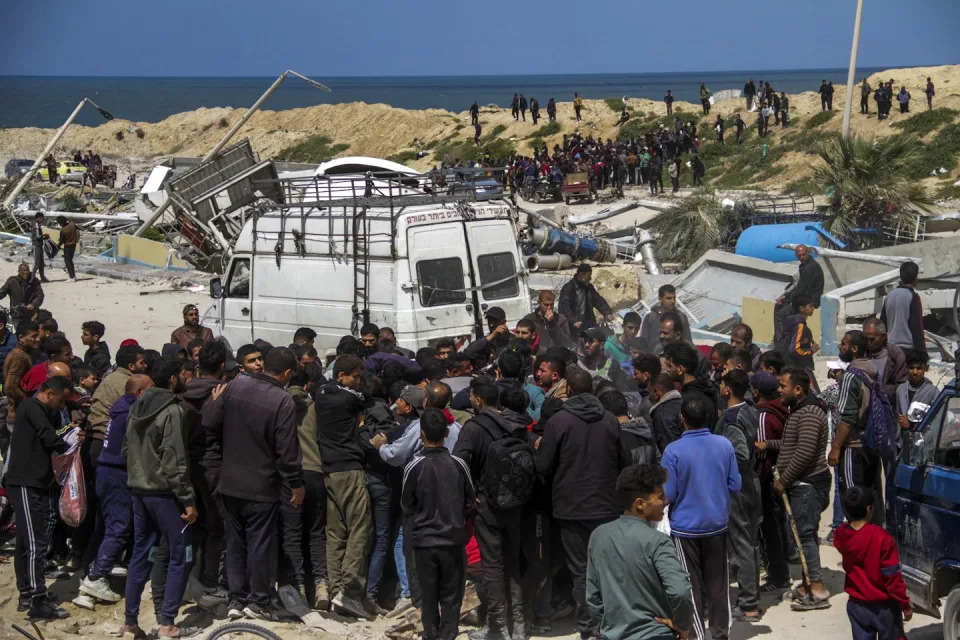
328,38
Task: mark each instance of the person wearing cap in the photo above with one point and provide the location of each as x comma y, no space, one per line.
553,328
495,341
591,356
402,450
191,329
772,415
579,298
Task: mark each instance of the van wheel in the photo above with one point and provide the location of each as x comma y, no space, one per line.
567,201
951,613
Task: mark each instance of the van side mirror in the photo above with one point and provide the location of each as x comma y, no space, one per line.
216,288
914,450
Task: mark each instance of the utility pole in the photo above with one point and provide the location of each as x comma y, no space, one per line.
229,134
5,205
851,71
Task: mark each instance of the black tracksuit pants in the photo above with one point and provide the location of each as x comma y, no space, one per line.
774,535
32,509
574,537
861,468
499,537
442,572
251,548
705,559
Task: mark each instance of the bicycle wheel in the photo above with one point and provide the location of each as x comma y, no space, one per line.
245,628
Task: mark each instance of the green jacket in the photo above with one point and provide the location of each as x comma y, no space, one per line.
156,447
616,350
633,576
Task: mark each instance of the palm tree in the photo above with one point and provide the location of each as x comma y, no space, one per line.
868,186
696,225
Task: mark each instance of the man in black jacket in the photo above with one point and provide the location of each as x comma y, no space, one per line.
665,412
580,455
25,291
578,299
261,455
28,481
680,362
809,284
437,498
349,525
197,398
498,531
97,356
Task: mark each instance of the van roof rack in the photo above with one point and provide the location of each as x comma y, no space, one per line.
387,190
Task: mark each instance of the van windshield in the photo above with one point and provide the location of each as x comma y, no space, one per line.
497,268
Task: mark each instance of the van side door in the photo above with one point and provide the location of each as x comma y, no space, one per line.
236,321
496,264
440,270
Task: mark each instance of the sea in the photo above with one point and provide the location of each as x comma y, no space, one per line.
46,101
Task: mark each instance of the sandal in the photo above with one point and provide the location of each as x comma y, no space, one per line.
739,614
810,604
771,587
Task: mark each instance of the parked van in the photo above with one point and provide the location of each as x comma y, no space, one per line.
924,511
408,252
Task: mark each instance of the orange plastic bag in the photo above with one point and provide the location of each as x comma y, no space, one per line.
73,491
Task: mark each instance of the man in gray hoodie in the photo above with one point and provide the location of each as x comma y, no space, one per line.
158,474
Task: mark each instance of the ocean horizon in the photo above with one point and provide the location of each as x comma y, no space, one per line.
46,101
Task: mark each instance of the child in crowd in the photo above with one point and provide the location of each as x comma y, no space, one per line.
917,388
878,604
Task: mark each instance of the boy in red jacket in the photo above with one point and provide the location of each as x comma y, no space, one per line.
878,604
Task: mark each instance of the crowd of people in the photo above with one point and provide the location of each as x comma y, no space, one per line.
623,479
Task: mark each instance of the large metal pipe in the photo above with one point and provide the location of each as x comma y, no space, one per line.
648,253
579,247
537,262
890,261
587,218
40,159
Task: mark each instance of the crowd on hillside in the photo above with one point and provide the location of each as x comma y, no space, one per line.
559,469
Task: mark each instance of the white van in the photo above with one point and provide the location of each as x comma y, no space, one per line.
414,253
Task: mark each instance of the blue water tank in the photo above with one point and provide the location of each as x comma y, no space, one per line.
761,240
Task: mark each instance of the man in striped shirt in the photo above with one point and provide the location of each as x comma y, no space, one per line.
804,476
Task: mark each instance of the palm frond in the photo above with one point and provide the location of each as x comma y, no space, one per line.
868,184
690,229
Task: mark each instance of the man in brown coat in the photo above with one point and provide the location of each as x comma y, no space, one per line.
69,238
191,329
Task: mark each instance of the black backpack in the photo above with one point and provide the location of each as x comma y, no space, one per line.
510,473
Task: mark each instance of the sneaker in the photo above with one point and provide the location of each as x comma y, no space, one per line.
42,609
99,589
403,605
234,610
349,605
256,612
85,602
24,603
118,571
829,538
321,597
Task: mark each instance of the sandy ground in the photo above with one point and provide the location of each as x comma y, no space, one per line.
381,130
150,319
